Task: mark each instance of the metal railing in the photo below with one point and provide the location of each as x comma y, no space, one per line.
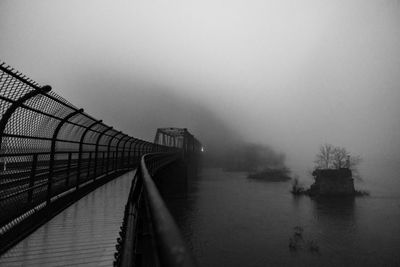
149,235
50,149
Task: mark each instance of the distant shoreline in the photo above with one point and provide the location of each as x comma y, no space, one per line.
271,175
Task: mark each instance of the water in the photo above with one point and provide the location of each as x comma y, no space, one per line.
229,220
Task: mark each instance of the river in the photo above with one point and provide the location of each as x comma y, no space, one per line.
230,220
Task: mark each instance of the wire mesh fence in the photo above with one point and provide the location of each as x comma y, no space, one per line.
49,148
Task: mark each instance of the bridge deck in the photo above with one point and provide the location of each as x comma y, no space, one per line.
84,234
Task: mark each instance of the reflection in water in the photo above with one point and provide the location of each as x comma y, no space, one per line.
229,220
339,211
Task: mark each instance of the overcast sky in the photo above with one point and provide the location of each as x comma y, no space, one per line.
292,74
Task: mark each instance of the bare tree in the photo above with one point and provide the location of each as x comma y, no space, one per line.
340,158
324,157
331,157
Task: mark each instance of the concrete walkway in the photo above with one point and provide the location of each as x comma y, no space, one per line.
82,235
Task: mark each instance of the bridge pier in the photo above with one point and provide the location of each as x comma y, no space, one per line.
172,180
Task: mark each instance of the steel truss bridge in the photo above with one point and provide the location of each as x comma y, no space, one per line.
53,155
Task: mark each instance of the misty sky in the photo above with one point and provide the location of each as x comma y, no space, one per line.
291,74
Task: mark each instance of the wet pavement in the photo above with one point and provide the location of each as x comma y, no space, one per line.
84,234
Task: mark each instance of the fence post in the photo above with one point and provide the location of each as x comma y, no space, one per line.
108,150
130,151
113,160
78,175
123,152
136,148
32,177
88,169
97,151
68,168
140,150
143,149
53,150
149,148
103,161
116,158
185,143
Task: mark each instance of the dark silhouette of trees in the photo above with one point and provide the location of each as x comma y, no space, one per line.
335,157
253,158
324,157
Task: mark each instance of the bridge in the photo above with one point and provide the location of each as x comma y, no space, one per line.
76,191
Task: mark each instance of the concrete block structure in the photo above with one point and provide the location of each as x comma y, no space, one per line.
333,182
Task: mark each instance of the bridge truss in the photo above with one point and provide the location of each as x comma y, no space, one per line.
179,138
52,153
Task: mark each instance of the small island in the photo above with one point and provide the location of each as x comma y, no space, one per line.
271,174
259,162
330,182
330,177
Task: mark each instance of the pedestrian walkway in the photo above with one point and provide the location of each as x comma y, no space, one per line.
84,234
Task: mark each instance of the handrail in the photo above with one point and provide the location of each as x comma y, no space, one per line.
46,163
46,152
171,249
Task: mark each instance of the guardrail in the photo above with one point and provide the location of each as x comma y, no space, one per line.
50,150
149,235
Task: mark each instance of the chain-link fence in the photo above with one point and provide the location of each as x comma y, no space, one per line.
50,148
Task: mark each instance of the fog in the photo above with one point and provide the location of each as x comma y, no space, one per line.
288,74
